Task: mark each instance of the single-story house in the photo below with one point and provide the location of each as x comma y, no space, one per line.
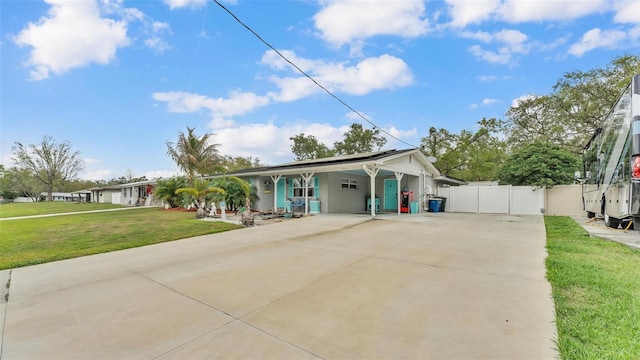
138,194
391,180
106,194
57,196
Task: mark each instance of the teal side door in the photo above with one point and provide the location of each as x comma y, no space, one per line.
390,194
281,194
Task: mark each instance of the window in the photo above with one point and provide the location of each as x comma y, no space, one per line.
349,184
297,185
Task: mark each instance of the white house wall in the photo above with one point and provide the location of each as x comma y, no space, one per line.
341,200
325,192
264,191
116,198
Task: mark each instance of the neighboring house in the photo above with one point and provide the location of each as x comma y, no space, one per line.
106,194
65,196
393,180
84,195
138,194
57,196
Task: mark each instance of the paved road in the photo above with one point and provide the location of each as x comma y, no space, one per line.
441,286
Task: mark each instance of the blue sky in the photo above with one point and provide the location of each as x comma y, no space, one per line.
118,79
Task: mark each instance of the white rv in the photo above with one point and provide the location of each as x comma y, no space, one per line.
611,179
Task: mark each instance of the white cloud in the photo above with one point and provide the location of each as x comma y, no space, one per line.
518,11
91,161
465,12
193,4
627,11
156,174
509,42
488,101
485,102
343,21
268,142
383,72
271,144
96,175
7,161
500,57
156,41
238,103
178,4
73,34
487,78
597,38
401,134
516,102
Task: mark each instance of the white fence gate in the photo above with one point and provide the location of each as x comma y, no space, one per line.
516,200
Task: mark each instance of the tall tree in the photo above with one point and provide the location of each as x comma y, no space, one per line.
50,162
359,140
570,114
166,190
534,117
199,190
471,156
20,182
233,163
539,164
306,147
194,155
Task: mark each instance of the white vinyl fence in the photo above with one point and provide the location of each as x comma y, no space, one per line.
516,200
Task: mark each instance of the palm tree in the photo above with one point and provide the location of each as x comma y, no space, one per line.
166,190
193,154
237,192
199,190
247,216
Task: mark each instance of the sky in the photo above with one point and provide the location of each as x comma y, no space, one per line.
118,79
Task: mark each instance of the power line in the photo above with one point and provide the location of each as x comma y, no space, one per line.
195,58
309,76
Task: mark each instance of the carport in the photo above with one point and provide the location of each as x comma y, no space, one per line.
371,182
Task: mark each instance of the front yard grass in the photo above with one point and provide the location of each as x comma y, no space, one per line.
39,240
49,207
596,290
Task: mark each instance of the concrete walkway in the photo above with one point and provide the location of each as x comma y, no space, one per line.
75,213
596,227
427,286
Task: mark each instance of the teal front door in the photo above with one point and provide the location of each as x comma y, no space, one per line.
390,194
281,193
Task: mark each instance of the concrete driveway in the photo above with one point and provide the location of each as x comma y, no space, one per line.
426,286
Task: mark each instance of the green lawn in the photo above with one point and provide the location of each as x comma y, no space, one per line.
49,207
596,290
39,240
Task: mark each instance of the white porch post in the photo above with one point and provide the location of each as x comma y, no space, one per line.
399,176
372,172
275,179
306,177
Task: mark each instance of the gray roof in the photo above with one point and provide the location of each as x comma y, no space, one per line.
316,163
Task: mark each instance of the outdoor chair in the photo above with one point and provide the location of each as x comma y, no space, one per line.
298,204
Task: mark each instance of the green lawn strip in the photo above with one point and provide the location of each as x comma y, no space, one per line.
596,290
39,240
49,207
